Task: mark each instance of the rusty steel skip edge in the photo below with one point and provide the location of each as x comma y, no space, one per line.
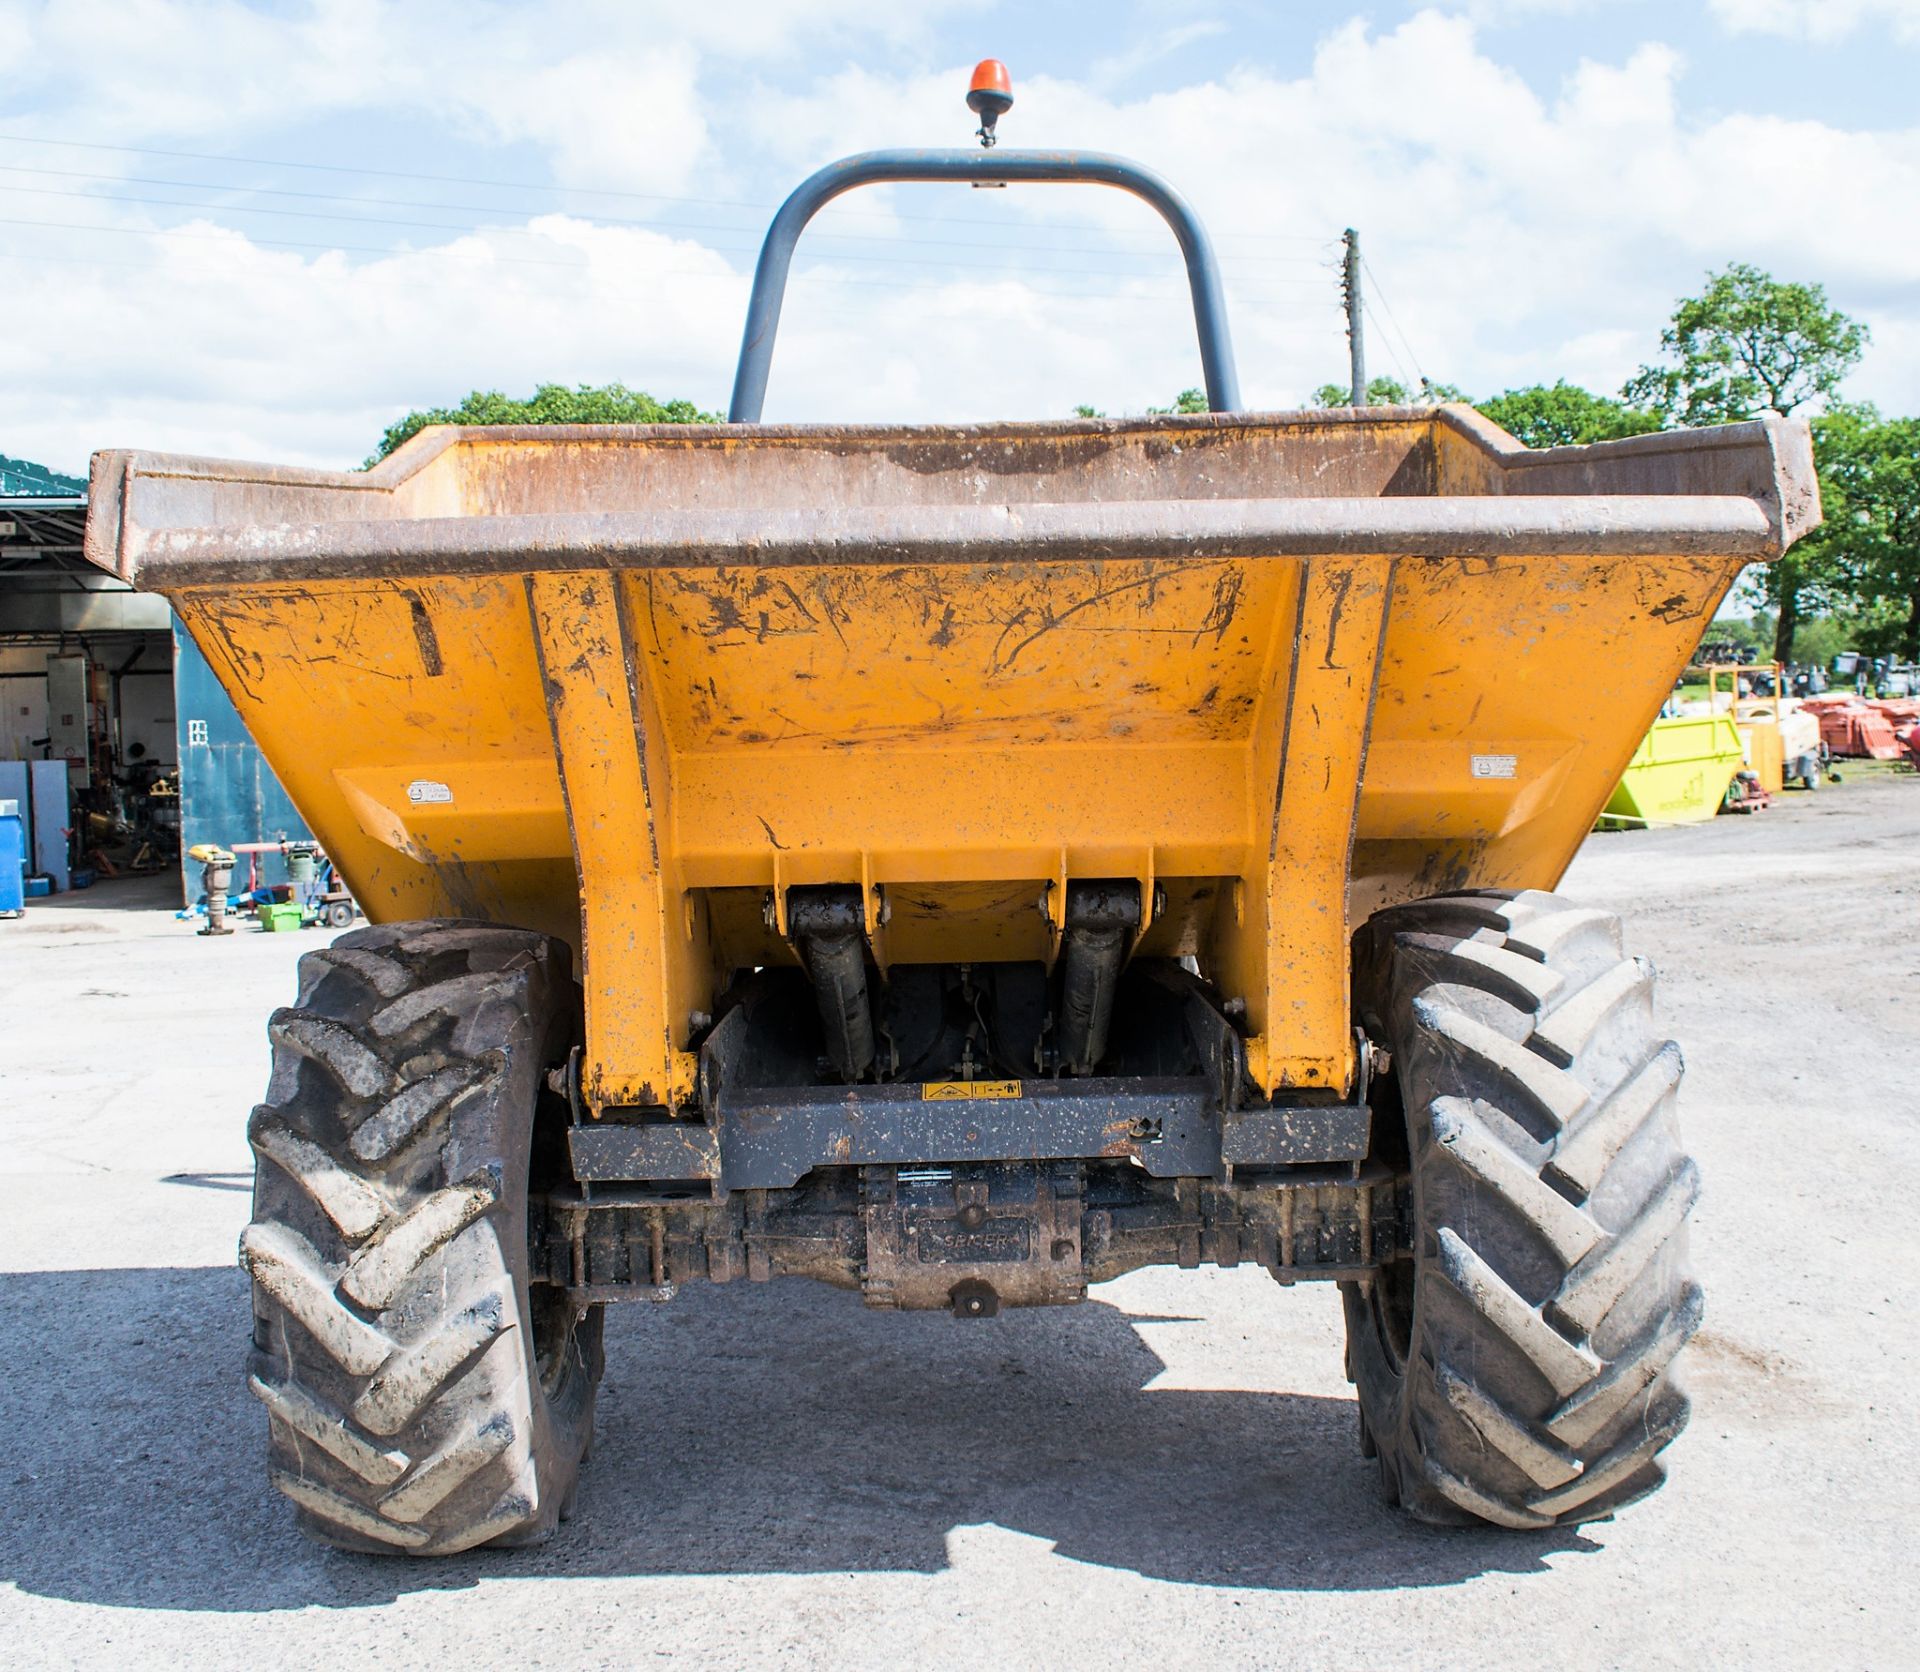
624,684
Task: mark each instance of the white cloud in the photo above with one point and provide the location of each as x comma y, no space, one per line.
1818,20
646,128
609,87
1117,68
1506,11
1520,237
214,344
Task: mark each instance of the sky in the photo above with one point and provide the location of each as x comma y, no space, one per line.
267,230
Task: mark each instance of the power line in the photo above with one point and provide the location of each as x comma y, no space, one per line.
809,303
530,186
451,226
651,223
1141,291
1393,353
372,173
1380,291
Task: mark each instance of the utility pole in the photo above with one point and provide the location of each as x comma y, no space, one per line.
1350,299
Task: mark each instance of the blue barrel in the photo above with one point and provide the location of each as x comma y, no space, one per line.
13,860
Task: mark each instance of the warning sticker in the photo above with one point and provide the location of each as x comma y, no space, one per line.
1495,766
963,1091
426,790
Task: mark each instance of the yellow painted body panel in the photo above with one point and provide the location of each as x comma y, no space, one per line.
1765,753
1141,733
644,756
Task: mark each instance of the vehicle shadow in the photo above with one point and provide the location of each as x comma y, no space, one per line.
752,1431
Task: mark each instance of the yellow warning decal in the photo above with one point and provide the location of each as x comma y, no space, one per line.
961,1091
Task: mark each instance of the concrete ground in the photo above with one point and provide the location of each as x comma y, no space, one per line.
1164,1476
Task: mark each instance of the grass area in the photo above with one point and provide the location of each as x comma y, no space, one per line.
1850,767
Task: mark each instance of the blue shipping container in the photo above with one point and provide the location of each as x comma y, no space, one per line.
40,787
228,793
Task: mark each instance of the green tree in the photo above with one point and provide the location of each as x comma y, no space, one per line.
551,403
1747,344
1381,391
1748,636
1823,637
1565,415
1188,400
1827,570
1824,572
1870,479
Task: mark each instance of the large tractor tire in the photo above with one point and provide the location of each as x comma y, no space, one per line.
424,1397
1517,1370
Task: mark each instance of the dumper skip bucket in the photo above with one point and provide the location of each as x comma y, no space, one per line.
636,685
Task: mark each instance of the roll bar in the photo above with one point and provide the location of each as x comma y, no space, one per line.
871,168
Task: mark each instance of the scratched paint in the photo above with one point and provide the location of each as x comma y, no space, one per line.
1273,744
1161,652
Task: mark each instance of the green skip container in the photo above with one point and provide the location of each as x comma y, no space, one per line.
1678,775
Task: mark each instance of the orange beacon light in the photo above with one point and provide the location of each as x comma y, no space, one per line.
990,95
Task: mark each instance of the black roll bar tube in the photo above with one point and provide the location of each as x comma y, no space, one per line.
1072,167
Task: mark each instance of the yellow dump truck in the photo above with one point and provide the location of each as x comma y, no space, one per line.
960,864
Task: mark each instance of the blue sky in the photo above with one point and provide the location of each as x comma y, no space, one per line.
268,230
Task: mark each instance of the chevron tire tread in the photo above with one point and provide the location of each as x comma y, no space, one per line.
1519,1370
422,1397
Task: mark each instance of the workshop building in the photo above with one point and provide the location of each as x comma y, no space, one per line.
100,678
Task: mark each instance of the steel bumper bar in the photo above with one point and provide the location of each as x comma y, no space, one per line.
769,1140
